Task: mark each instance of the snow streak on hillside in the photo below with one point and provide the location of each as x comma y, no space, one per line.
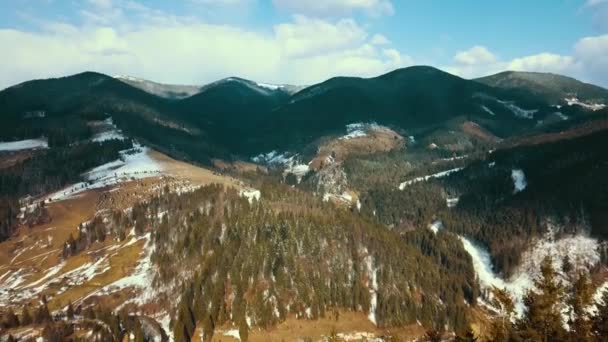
23,145
572,101
427,177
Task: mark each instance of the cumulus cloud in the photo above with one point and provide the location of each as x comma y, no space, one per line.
328,8
166,48
475,55
379,39
543,62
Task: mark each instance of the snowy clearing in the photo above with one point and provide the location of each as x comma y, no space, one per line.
112,133
133,164
23,144
427,177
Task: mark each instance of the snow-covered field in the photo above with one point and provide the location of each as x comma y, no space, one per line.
23,144
133,164
427,177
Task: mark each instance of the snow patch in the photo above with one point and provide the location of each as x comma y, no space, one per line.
451,202
519,180
359,129
23,144
251,194
234,333
372,274
436,226
273,158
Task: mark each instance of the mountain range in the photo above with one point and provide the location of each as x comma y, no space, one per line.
416,205
237,117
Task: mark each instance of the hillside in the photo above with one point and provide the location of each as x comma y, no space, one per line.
169,91
551,87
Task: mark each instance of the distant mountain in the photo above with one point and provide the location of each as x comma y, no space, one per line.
414,97
170,91
239,117
551,87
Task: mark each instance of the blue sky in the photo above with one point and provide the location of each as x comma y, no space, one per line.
300,41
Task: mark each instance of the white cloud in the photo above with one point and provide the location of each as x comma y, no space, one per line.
475,55
379,39
588,62
330,8
543,62
166,48
306,36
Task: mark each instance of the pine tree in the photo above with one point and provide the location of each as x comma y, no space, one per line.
467,336
432,336
244,330
580,324
600,318
10,320
502,328
70,311
542,320
42,314
26,318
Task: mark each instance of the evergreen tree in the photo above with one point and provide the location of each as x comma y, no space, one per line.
502,329
70,311
542,320
10,320
26,318
432,336
467,336
580,324
42,314
600,318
